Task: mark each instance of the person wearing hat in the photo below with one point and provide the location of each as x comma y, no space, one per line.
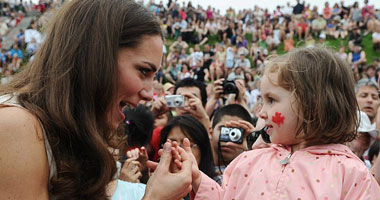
168,88
366,135
318,25
333,28
243,62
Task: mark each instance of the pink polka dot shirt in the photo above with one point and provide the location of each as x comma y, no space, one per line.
324,172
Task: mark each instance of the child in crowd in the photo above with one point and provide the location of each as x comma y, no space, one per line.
310,111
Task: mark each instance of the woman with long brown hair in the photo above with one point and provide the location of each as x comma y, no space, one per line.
58,115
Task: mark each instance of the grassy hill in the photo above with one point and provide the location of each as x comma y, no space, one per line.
333,43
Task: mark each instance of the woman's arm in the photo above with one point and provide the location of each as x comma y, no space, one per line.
23,162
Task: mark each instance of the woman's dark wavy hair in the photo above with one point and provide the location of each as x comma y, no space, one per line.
197,133
71,84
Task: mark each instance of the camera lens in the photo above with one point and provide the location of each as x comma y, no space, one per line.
229,87
177,102
235,135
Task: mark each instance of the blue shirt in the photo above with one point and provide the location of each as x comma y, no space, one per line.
128,191
12,52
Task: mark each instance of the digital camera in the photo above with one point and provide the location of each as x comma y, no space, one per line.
229,87
235,135
175,101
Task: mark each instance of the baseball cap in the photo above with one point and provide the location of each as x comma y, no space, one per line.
168,86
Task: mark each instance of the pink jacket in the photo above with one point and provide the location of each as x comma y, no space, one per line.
324,172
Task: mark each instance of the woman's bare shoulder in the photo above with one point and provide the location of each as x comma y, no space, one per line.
23,161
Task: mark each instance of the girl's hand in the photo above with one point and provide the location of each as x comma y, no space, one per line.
141,156
130,171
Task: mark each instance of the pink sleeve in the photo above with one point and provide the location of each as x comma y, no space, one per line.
209,189
360,184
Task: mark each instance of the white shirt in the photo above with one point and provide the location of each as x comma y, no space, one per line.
376,35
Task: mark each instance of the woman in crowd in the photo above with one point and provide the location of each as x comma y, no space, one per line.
58,116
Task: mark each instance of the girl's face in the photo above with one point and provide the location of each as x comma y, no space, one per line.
278,111
177,135
136,70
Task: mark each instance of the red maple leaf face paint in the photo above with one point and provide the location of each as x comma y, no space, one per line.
278,119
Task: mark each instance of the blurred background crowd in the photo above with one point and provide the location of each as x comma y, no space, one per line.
215,61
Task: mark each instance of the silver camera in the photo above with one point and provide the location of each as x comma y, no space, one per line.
175,101
235,135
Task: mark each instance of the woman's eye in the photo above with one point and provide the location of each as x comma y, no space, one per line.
144,71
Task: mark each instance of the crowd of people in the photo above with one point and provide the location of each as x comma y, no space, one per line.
197,66
28,39
181,95
193,52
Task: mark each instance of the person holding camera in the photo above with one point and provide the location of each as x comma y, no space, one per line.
227,92
189,97
230,126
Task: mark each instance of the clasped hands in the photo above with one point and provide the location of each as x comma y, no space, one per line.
176,174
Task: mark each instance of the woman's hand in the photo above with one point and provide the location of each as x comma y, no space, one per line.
195,173
165,185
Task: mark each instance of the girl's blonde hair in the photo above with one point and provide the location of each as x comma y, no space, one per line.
323,87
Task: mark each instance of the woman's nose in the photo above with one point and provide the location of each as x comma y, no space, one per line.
146,95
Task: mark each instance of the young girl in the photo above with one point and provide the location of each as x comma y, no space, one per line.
310,110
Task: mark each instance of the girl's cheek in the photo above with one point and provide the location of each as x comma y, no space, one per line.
278,119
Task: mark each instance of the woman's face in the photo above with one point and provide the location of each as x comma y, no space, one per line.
136,70
177,135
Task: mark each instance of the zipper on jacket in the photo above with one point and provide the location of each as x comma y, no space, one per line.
283,163
286,160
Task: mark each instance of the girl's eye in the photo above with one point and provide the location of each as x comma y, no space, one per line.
270,100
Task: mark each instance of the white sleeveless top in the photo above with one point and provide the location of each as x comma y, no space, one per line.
12,100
